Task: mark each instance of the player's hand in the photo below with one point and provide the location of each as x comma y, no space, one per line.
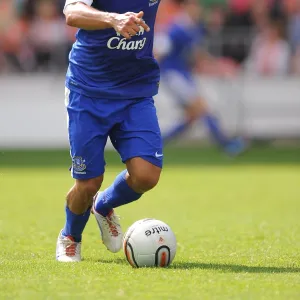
129,24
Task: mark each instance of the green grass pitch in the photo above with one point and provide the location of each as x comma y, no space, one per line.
237,224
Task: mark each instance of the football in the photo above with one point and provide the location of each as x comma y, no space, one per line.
149,243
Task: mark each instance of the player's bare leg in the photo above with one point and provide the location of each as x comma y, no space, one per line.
140,177
79,202
196,110
80,197
199,110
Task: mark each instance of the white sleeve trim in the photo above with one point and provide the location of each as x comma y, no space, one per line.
87,2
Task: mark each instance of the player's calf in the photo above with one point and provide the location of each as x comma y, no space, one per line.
80,197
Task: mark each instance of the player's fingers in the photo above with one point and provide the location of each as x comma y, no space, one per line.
130,20
126,35
140,14
142,23
135,27
132,32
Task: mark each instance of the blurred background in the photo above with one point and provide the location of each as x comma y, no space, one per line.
251,82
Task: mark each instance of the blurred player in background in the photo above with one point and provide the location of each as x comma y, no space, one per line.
110,83
177,49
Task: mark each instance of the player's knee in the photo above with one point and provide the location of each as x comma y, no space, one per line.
192,116
196,110
144,181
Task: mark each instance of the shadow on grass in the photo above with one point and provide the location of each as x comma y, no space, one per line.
216,267
117,261
233,268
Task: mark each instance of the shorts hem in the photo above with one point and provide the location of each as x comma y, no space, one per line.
86,176
154,161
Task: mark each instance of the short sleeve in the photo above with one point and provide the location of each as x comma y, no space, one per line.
87,2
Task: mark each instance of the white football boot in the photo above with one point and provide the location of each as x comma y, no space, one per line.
111,231
67,250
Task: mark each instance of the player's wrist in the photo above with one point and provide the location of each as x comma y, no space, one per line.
110,19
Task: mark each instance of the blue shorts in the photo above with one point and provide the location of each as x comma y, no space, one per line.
132,126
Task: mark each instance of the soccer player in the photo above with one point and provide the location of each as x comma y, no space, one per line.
110,82
177,49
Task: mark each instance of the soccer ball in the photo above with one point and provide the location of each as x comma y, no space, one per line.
149,243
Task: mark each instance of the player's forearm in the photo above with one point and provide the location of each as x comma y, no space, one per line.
82,16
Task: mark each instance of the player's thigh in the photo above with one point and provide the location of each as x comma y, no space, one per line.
139,135
182,87
87,136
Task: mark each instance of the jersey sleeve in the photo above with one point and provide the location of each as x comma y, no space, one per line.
87,2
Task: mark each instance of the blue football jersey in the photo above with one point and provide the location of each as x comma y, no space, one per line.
182,37
103,64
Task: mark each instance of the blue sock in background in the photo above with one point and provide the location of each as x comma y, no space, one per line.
215,130
119,193
175,131
210,121
75,224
